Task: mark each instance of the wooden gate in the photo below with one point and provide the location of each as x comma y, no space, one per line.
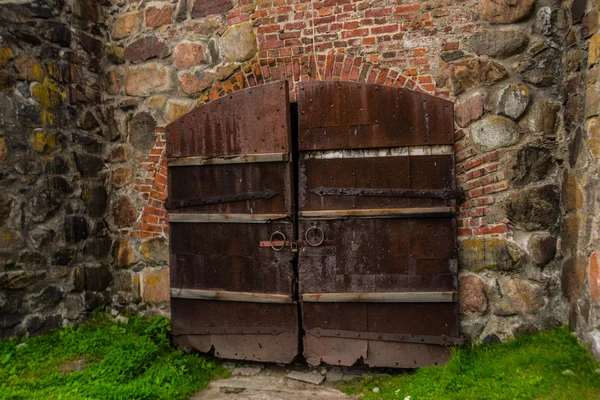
376,274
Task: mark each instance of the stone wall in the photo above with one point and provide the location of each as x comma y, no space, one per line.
517,72
580,243
54,242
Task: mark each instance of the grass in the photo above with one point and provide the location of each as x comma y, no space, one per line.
103,360
549,365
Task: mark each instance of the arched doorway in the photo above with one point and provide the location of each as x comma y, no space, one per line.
329,230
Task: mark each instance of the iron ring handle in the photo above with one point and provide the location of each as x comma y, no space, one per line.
308,240
271,240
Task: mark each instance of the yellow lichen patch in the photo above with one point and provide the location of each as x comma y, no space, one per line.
28,68
156,102
49,94
43,141
6,54
47,118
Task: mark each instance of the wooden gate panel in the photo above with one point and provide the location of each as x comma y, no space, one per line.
230,192
377,193
262,188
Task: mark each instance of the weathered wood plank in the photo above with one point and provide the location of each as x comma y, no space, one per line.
221,295
223,160
369,213
226,218
396,297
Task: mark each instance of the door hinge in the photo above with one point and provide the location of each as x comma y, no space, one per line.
230,198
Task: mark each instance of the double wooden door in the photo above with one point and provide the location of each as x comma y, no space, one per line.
324,228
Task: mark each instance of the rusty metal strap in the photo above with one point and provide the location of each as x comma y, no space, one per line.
389,337
228,331
231,198
368,192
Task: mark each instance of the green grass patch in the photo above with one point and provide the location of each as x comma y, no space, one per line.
549,365
103,360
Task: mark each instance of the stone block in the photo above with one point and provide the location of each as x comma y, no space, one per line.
494,132
592,100
202,8
590,24
119,153
76,228
572,195
126,25
594,280
98,248
468,73
204,27
543,68
124,212
514,101
469,109
472,295
88,165
28,68
542,248
189,54
500,43
49,94
57,32
195,82
146,48
517,296
120,177
505,11
154,285
142,132
95,198
115,54
534,208
238,43
6,55
545,21
480,253
123,253
533,164
543,118
97,278
146,79
113,82
155,251
158,14
578,8
177,108
594,50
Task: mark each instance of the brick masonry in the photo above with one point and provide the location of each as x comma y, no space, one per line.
525,94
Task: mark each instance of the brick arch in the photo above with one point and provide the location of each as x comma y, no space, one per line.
153,222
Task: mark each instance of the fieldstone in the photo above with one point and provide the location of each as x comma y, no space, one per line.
6,55
543,118
195,82
120,177
73,306
92,45
226,71
575,147
545,21
590,24
238,43
76,228
142,132
452,55
40,236
500,43
525,329
124,212
115,54
480,253
468,73
157,102
49,94
126,25
146,79
542,248
47,298
10,240
43,141
491,339
594,267
534,208
88,121
572,196
472,295
119,154
155,251
146,48
38,325
177,108
7,82
154,285
202,8
472,331
505,11
64,256
594,50
158,15
97,278
181,10
189,54
57,32
94,301
494,132
95,198
542,69
578,10
592,100
592,127
98,248
42,206
469,109
204,27
28,68
88,165
3,150
123,253
533,164
20,279
516,296
514,101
